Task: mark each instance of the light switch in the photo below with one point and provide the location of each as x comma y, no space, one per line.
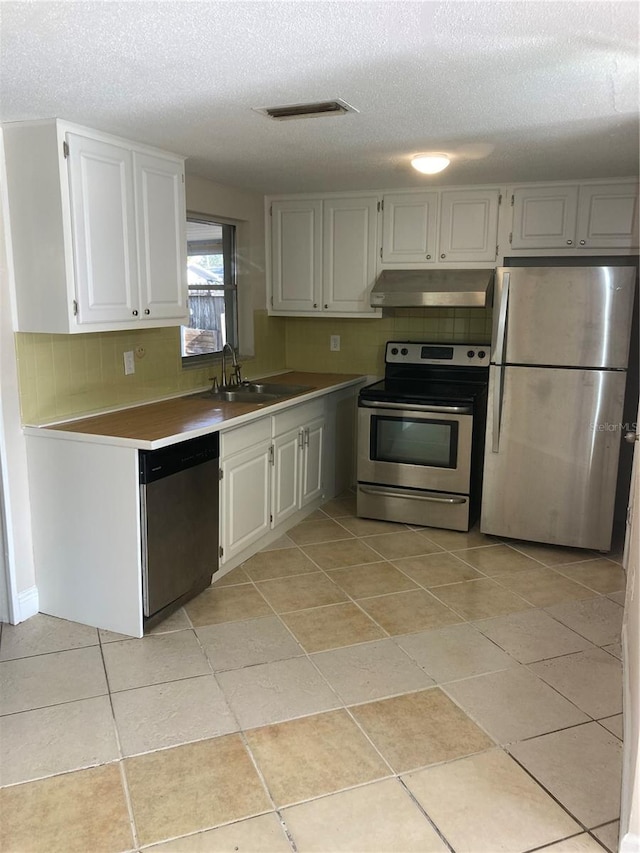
334,343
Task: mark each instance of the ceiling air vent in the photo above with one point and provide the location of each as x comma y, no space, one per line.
314,110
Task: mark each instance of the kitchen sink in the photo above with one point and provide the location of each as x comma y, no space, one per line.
254,392
280,390
239,396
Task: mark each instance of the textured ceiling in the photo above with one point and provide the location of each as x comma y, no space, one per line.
512,91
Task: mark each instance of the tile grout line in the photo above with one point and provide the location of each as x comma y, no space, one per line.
422,809
547,791
123,776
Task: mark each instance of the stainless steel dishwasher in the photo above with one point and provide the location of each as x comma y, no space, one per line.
179,523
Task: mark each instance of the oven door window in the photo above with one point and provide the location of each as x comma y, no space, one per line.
414,442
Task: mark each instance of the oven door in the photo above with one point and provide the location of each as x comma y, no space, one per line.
416,446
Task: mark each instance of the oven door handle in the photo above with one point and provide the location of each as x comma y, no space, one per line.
418,407
384,493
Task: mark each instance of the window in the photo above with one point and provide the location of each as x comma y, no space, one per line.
212,291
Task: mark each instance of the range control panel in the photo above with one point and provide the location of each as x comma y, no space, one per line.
423,352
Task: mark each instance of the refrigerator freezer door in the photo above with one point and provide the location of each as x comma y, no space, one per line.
552,477
565,316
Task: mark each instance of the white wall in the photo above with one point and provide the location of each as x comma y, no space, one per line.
22,593
247,209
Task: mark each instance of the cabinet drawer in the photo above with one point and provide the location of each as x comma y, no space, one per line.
297,416
240,438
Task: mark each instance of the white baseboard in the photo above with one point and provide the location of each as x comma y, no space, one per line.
630,843
27,603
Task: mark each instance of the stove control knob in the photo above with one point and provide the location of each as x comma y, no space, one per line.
404,351
481,354
394,351
471,353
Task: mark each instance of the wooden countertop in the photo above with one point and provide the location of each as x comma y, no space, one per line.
155,425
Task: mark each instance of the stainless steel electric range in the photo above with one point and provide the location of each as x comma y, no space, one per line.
421,435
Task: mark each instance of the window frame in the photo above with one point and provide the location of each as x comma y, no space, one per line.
230,285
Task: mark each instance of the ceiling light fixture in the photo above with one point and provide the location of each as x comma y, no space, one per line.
430,164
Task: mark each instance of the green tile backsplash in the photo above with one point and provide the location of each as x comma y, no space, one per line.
63,376
362,341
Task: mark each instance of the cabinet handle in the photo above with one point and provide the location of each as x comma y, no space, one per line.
301,439
146,311
569,242
306,437
135,312
583,242
428,257
315,304
326,306
443,255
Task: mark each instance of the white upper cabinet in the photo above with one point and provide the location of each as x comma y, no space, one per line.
608,216
544,217
323,255
452,226
350,227
103,224
575,217
409,227
296,255
98,230
162,235
469,225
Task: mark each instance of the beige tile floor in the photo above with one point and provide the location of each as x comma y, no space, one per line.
358,686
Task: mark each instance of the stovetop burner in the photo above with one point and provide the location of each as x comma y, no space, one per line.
417,371
410,390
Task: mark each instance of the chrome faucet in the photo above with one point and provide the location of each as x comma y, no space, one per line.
236,379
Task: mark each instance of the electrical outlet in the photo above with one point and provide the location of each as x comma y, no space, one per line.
140,352
129,363
334,343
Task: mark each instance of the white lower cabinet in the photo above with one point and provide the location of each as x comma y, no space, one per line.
298,458
245,499
286,475
312,461
270,469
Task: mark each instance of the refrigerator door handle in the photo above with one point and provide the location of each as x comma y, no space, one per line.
502,320
497,410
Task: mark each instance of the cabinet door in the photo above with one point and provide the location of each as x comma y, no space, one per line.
469,225
103,226
285,490
162,242
312,459
244,505
544,217
349,236
409,227
608,216
296,255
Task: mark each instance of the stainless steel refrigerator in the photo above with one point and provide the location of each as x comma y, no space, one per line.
556,390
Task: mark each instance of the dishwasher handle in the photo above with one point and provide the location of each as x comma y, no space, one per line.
157,464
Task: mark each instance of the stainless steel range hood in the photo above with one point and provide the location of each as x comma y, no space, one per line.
433,288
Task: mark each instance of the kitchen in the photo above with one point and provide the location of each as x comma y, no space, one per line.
67,376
